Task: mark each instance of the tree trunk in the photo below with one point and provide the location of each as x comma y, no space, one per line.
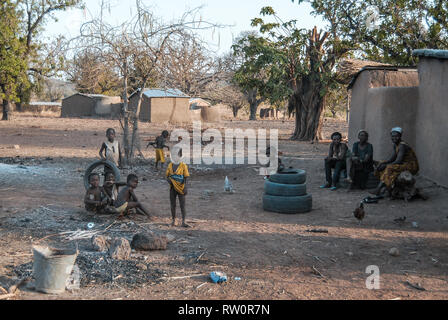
135,142
253,103
253,110
308,111
235,111
6,110
125,115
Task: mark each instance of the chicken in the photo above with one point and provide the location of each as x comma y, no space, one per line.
359,212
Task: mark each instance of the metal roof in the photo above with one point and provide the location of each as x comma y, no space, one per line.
43,103
88,95
431,53
162,93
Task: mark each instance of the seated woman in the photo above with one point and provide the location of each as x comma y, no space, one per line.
361,161
336,159
403,159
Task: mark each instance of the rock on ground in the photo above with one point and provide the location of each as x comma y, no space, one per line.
120,249
147,241
101,243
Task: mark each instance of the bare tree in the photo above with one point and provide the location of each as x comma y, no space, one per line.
135,48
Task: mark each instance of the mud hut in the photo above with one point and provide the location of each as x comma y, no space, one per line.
162,105
412,98
383,98
85,105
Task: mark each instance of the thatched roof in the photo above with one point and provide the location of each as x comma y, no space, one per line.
349,68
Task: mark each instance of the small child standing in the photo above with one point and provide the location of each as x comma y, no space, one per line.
126,198
176,175
159,144
111,148
95,199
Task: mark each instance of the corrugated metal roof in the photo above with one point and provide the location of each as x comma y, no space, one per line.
91,96
164,93
43,103
431,53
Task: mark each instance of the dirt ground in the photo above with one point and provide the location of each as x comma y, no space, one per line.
41,190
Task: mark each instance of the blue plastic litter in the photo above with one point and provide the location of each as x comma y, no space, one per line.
237,278
218,277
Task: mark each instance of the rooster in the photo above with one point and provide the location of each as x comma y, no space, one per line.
359,212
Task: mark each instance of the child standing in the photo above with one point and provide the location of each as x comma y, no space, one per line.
176,175
159,144
111,148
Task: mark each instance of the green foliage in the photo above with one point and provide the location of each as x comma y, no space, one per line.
12,50
283,56
42,59
401,26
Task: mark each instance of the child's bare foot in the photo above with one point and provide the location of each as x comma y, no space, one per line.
173,223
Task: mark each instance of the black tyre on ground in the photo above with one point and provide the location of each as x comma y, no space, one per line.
280,204
101,163
279,189
290,176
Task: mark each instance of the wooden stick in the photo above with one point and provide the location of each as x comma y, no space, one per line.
14,287
199,258
3,290
183,277
7,296
318,272
201,285
415,286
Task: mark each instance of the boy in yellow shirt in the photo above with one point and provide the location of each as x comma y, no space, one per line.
159,144
176,175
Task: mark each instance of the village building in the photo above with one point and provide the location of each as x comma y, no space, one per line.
90,105
162,105
383,97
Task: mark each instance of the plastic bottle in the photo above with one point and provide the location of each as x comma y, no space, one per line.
227,185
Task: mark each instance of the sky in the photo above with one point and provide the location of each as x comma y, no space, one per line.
235,14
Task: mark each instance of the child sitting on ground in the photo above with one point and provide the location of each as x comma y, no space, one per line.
112,150
159,144
111,188
95,200
176,175
280,166
126,198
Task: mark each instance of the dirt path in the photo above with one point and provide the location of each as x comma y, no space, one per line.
273,254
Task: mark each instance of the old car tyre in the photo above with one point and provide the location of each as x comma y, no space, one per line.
281,204
97,164
279,189
289,176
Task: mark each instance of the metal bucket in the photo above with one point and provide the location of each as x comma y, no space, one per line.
52,267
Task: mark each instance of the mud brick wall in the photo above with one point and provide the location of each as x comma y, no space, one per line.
432,119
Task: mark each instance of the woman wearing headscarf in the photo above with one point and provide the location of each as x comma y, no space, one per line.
336,160
361,161
403,159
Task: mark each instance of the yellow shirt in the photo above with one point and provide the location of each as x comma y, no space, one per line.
178,178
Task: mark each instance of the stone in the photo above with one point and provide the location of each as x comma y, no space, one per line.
120,249
148,241
394,252
100,243
141,266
